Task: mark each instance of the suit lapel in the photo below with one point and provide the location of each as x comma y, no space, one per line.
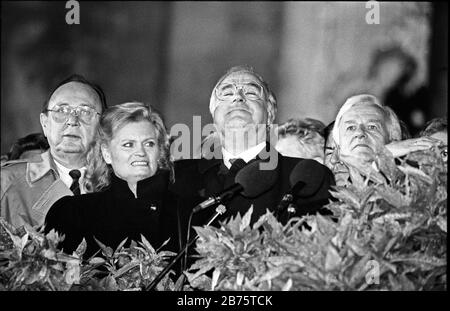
50,195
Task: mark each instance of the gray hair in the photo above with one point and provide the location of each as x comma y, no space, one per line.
301,128
434,126
392,121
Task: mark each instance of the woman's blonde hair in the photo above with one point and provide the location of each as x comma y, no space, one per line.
98,173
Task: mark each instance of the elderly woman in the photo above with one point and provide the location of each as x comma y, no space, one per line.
129,172
363,126
301,138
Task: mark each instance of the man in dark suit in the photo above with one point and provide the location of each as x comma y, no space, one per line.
243,108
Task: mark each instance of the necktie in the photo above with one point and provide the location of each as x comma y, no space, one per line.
237,201
75,187
236,165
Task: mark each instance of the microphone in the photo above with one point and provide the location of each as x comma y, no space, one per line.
250,180
305,180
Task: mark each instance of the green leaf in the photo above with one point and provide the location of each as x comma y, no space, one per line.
106,250
72,273
109,283
271,274
96,261
198,281
120,246
81,249
287,286
245,224
132,264
147,246
442,223
163,244
332,259
358,272
215,278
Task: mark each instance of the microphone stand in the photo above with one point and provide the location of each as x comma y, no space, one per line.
286,201
219,211
292,209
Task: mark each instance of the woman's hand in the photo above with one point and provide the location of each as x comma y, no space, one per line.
403,147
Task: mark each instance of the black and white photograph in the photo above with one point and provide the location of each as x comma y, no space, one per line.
223,151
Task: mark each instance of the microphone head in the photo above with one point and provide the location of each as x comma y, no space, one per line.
307,177
255,181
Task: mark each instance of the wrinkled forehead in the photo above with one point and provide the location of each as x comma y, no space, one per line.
364,111
75,93
240,78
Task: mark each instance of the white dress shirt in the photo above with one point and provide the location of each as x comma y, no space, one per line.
247,155
67,180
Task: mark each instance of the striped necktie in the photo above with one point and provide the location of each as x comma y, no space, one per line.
75,187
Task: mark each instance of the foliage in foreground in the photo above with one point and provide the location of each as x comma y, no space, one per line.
388,232
30,260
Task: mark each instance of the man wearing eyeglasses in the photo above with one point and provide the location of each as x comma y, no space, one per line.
243,109
69,120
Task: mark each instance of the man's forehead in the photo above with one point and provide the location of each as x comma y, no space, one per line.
241,77
364,111
78,90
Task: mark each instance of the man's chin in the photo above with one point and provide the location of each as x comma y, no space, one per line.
362,149
240,124
70,148
359,155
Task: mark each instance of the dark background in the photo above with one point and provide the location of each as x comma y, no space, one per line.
170,54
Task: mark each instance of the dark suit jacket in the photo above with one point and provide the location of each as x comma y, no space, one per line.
115,214
196,180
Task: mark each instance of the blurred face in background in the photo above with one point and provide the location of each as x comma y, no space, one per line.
329,157
362,131
133,151
310,147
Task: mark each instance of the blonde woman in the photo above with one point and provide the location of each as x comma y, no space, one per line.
129,171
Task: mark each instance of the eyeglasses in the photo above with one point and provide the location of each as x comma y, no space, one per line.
252,91
62,114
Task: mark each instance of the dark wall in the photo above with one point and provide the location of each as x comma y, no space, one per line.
170,54
439,60
121,48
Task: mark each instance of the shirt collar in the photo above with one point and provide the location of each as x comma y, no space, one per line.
65,177
247,155
40,165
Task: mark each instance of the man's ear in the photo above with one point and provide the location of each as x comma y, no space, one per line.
271,109
270,114
44,123
106,153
